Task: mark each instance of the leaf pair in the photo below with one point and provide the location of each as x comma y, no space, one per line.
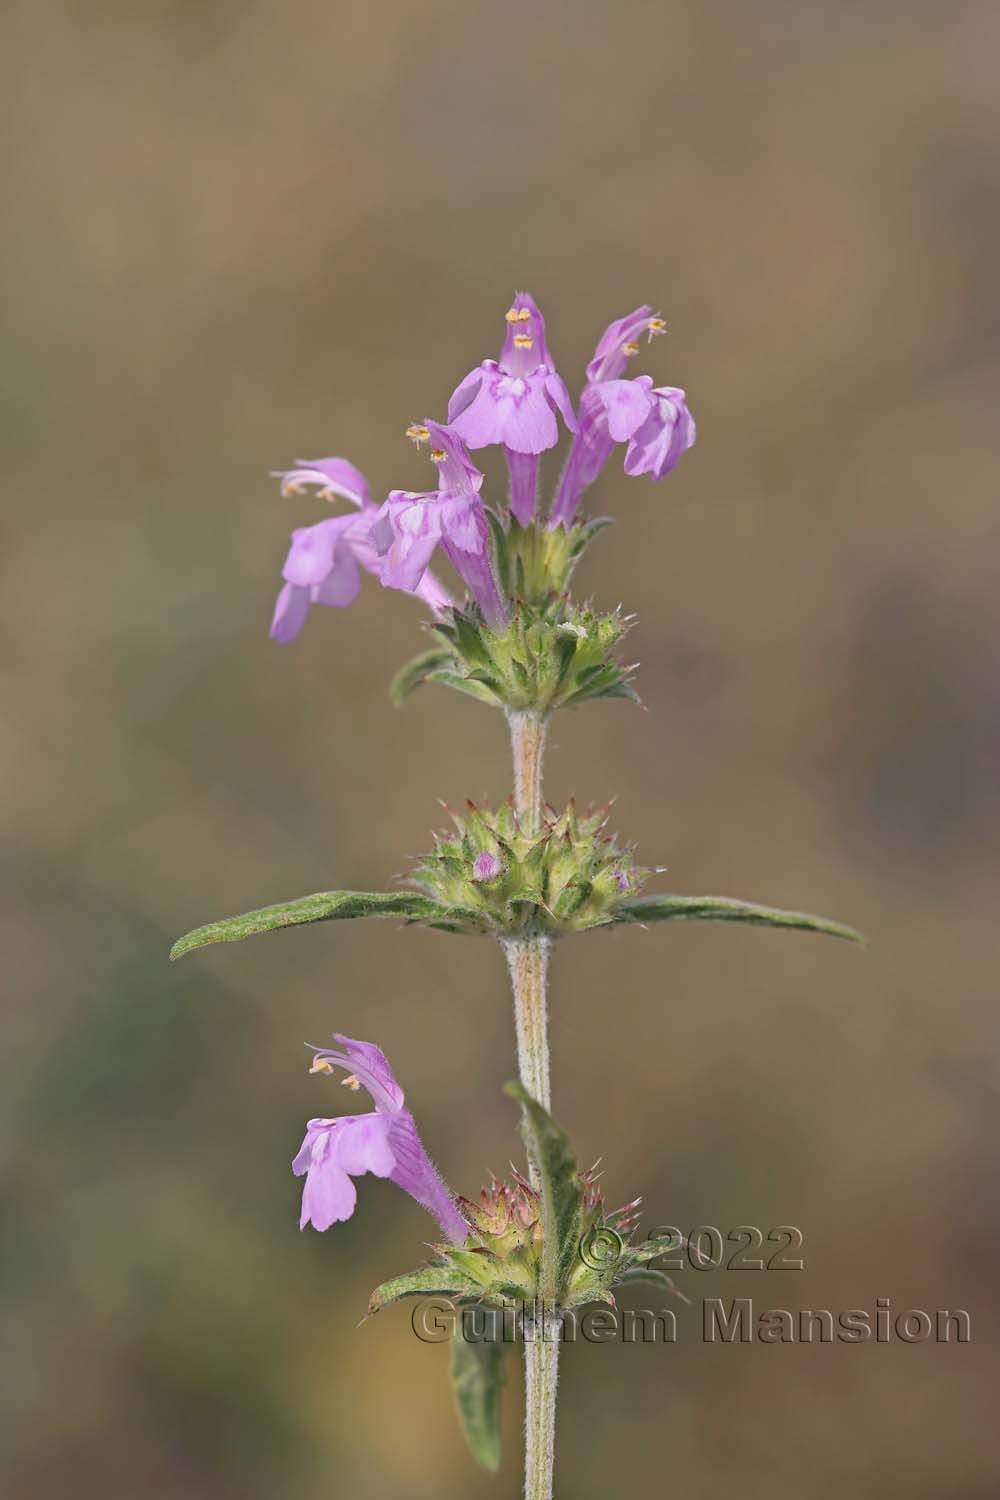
330,906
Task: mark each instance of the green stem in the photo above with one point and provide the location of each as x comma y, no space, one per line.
541,1373
527,741
528,961
528,956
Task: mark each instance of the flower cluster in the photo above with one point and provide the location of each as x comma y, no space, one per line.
517,403
568,877
493,1249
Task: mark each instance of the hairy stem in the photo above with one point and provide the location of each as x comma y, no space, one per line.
528,961
528,957
541,1370
527,741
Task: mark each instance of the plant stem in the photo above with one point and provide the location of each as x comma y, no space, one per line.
527,741
541,1373
528,961
528,956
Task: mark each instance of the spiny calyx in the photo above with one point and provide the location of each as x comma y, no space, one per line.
500,1264
570,876
552,653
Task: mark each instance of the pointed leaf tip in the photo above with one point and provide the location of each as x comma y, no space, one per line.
727,909
323,906
427,1281
415,672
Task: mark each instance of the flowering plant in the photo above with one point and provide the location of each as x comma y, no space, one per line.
526,873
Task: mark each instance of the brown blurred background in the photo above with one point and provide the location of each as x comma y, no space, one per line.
241,232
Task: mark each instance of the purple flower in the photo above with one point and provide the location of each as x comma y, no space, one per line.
333,476
322,566
384,1142
513,401
410,525
620,342
653,421
668,431
486,866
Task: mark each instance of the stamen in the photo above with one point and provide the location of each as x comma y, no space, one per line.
630,349
321,1065
438,455
418,434
523,340
656,325
513,315
524,316
353,1083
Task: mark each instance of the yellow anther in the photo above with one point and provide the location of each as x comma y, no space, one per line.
630,349
321,1065
418,433
523,341
656,325
438,455
513,315
292,487
351,1083
524,316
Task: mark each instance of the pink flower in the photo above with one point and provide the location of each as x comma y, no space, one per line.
513,401
486,866
411,525
384,1142
322,566
653,421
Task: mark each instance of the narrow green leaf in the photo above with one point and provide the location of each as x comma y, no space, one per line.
464,685
429,1281
415,672
469,640
550,1151
477,1377
724,909
324,906
646,1250
564,655
645,1276
620,689
587,533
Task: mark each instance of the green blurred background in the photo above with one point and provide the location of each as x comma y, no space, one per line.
240,232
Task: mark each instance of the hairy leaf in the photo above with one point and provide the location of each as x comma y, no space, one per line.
415,672
477,1376
324,906
587,533
725,909
462,684
429,1281
550,1152
648,1276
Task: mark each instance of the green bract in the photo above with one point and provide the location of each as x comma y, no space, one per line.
555,652
555,1245
488,877
570,876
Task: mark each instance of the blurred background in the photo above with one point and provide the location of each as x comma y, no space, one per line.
242,232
